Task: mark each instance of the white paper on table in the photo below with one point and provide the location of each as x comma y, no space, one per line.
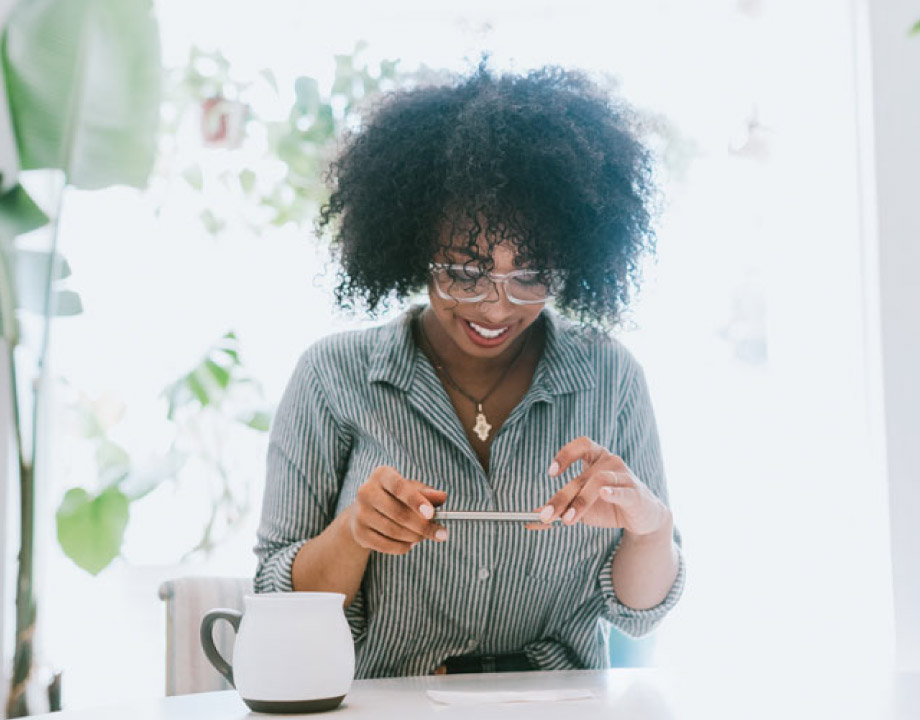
481,698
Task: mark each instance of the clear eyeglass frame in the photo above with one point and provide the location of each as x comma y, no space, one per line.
437,271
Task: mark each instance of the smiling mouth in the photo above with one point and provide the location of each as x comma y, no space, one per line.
488,333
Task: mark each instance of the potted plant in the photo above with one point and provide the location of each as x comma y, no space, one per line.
82,87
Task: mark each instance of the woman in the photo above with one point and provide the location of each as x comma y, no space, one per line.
498,195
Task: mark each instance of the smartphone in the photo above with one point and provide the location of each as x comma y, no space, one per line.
487,515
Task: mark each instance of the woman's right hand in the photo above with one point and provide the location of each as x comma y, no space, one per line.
391,514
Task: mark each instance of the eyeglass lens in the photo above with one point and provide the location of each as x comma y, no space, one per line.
466,284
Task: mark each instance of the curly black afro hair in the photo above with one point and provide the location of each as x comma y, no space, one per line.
546,161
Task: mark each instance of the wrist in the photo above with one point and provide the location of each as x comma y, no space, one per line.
346,531
661,535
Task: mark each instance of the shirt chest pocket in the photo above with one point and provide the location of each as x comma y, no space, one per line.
566,551
366,455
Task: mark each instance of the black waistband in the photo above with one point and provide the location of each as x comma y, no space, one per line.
508,662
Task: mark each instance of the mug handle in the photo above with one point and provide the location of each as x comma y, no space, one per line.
207,638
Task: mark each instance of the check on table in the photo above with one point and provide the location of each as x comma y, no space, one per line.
617,694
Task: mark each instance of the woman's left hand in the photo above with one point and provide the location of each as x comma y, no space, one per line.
605,494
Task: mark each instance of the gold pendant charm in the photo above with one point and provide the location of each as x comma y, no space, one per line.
482,427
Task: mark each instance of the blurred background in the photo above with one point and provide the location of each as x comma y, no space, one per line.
161,282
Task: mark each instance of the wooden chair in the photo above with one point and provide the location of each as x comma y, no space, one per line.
187,600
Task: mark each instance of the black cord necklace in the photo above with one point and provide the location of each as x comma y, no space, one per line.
482,426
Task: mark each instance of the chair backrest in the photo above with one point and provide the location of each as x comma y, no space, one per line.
187,600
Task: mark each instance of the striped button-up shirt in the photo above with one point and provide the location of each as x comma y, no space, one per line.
361,399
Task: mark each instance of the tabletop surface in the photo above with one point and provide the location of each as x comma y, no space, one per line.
627,694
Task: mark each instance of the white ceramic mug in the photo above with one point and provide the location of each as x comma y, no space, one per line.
293,651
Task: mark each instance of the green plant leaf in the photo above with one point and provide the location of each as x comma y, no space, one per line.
306,90
915,30
9,324
19,214
66,303
198,388
194,177
113,462
31,278
90,529
220,374
227,346
83,83
211,222
247,180
258,420
270,78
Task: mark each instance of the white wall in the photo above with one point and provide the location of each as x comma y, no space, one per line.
892,135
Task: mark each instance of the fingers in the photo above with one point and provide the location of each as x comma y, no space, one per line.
371,539
407,492
436,497
559,502
577,496
392,513
600,485
581,448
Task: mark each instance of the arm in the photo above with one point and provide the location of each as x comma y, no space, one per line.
307,458
390,515
301,544
645,566
332,561
645,577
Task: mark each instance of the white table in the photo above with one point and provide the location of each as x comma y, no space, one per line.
622,694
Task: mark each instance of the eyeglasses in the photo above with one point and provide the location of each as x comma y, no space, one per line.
466,284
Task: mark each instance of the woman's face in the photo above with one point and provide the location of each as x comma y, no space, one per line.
488,328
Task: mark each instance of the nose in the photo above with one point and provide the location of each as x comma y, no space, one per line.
496,307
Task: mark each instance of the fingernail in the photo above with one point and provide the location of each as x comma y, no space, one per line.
546,513
607,490
427,511
441,535
569,515
553,469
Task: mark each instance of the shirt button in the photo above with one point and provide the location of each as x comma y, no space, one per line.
484,573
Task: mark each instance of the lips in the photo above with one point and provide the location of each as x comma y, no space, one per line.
486,335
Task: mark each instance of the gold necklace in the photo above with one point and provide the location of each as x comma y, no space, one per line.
482,426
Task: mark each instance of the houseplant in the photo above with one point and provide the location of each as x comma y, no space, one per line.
82,84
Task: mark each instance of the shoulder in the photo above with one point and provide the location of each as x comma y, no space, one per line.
339,356
609,359
344,359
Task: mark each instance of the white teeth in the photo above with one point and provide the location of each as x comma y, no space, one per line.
485,332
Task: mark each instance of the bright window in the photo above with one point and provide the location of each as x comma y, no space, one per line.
750,325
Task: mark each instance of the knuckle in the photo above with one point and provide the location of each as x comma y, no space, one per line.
396,484
380,473
402,515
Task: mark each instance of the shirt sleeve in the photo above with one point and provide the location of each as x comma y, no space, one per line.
639,447
307,456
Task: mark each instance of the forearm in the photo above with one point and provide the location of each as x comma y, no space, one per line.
332,561
645,567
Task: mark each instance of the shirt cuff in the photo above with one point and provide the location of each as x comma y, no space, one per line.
631,621
275,572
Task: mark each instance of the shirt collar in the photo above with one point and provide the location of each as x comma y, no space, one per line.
564,368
